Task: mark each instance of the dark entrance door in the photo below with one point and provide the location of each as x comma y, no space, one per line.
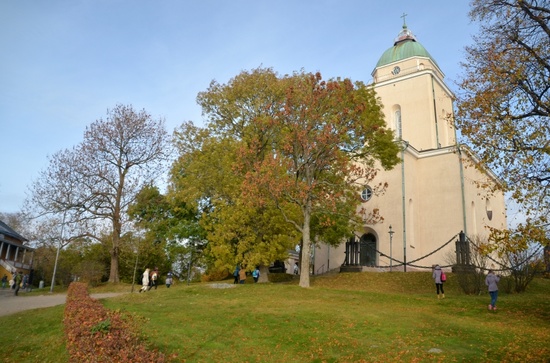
367,254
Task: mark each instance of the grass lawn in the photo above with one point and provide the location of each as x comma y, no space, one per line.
352,317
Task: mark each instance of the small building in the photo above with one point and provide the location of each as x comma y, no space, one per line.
14,255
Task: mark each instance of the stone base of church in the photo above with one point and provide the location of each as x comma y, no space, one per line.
351,268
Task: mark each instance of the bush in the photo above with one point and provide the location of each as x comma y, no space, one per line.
95,334
280,277
216,275
470,280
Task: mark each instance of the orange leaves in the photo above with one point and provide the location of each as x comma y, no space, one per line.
95,334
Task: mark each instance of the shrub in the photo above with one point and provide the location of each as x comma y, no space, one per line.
95,334
280,277
216,275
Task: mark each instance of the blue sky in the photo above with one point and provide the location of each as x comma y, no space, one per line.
64,63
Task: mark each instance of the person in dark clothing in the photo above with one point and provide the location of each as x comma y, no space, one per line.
154,279
17,278
236,275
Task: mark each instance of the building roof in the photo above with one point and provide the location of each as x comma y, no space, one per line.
7,231
404,46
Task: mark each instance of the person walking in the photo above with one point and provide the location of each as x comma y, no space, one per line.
436,274
256,274
236,275
4,281
169,280
154,278
145,281
25,282
242,275
17,278
492,285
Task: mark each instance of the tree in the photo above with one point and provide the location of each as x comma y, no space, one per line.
306,146
205,177
504,107
93,183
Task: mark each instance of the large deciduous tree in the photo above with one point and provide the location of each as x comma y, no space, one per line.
304,147
93,183
504,106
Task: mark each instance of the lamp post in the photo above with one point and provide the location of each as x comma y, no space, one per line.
135,268
391,232
57,253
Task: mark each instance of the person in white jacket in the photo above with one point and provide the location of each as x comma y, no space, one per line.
145,281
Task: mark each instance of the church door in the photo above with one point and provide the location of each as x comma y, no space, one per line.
367,250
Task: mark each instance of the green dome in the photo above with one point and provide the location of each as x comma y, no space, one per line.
405,46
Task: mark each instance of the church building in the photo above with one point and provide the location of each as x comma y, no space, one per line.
436,192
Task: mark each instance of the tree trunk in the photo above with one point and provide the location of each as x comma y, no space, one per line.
113,275
117,231
306,247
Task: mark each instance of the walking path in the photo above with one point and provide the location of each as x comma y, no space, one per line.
11,304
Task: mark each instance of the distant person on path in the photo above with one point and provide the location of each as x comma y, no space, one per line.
145,281
492,284
242,275
17,279
436,274
236,275
154,278
4,281
169,279
296,268
256,274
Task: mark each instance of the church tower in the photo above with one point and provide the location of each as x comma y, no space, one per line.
417,102
436,191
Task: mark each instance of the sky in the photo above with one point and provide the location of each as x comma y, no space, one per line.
65,63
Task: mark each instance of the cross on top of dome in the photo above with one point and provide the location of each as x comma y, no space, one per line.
405,33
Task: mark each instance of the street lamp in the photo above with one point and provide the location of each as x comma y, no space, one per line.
391,232
57,253
135,267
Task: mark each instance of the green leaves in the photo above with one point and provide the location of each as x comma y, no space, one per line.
282,157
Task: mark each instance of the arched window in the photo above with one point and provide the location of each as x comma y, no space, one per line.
398,126
488,209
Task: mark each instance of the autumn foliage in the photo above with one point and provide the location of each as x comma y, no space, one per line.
281,162
95,334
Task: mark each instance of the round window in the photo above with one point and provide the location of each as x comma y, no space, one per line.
366,194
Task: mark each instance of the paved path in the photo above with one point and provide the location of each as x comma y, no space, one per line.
11,304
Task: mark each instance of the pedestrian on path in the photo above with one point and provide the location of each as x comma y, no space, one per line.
236,274
154,278
256,274
17,279
492,285
4,281
145,281
437,274
242,275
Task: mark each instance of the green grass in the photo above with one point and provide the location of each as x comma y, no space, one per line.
355,317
